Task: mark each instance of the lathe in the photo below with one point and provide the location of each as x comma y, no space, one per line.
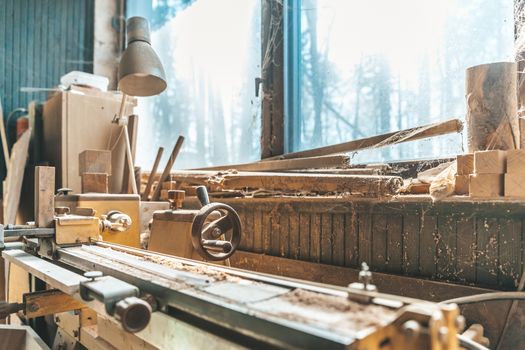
105,295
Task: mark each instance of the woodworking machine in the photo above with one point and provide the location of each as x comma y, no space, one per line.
211,233
104,295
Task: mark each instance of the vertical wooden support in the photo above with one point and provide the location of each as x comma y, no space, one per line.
44,196
272,133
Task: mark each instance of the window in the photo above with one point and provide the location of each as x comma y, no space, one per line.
374,66
211,53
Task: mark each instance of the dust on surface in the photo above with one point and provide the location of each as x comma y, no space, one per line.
331,312
198,269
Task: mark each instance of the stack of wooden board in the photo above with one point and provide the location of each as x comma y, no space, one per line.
515,174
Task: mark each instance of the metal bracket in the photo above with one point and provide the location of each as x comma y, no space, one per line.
107,289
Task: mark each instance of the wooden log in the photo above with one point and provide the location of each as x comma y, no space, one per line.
335,161
167,169
492,107
391,138
151,177
44,196
366,185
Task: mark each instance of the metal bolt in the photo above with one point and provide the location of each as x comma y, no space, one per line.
216,232
32,307
365,276
411,328
75,333
57,320
460,323
93,275
443,334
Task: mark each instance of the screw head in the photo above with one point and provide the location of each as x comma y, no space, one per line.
411,328
93,274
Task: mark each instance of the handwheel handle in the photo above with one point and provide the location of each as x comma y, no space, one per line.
213,249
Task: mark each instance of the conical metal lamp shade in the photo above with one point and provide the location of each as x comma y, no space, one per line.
140,71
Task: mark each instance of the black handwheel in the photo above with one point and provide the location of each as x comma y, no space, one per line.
216,237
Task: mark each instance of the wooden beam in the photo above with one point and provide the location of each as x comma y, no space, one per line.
391,138
44,196
272,79
366,185
15,176
335,161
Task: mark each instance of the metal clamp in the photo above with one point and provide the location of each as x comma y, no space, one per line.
120,300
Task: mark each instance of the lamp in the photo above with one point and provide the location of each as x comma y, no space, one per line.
140,70
140,73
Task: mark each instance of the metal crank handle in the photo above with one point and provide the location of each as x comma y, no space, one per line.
217,245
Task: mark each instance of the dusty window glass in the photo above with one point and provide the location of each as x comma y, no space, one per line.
211,53
370,67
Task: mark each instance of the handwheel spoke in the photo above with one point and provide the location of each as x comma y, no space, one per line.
224,224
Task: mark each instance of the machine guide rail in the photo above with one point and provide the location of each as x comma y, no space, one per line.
279,312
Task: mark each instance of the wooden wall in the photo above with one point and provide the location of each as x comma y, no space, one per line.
480,243
40,40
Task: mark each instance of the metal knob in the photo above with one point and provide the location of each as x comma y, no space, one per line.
64,191
133,313
202,195
176,198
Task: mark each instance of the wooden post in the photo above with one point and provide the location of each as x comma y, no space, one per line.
492,107
44,196
145,195
167,169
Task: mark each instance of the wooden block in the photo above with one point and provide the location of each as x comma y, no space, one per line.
94,161
462,184
95,182
465,164
516,161
515,185
490,162
44,196
486,185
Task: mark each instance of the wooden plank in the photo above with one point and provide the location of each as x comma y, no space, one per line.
427,248
49,302
351,239
447,248
466,248
304,236
294,235
365,238
257,231
65,280
242,216
274,233
487,244
15,176
379,242
394,247
315,237
338,239
326,238
248,229
267,231
3,136
411,134
45,196
282,232
411,235
366,185
509,251
335,161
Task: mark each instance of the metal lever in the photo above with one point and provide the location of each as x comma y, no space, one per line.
217,245
202,195
7,309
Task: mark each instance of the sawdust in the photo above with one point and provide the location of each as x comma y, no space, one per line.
198,269
345,315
